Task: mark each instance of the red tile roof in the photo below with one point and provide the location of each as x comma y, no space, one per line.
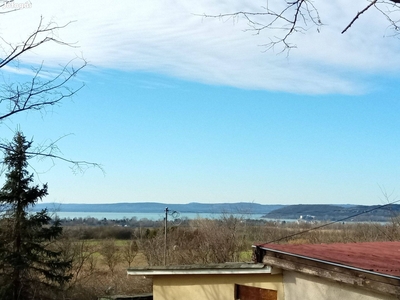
380,257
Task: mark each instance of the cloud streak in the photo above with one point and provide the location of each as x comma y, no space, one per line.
166,37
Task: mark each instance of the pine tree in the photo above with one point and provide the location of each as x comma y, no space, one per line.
29,268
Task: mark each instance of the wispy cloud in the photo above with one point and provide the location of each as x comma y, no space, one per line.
166,37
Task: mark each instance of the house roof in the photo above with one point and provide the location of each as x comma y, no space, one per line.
378,257
374,266
226,268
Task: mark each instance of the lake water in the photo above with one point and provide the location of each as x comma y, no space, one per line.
149,216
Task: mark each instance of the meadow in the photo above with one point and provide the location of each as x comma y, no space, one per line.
102,253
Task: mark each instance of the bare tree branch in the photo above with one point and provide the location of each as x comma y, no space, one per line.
359,14
42,34
298,16
43,90
392,23
52,152
38,93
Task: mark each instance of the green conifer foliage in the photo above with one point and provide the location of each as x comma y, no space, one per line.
29,267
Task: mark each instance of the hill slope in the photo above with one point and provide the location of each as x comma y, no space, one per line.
335,212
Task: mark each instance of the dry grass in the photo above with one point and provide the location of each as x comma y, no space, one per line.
196,244
93,277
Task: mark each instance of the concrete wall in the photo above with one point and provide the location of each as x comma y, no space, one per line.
307,287
211,287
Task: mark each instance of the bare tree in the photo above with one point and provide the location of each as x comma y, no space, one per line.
285,18
129,251
41,91
110,253
44,90
208,241
83,256
152,248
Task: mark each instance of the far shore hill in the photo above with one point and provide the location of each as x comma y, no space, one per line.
307,212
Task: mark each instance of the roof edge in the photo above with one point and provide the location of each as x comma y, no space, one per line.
235,268
329,263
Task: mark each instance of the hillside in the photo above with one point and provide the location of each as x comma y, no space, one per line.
336,212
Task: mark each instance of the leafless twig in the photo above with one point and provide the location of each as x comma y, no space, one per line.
298,16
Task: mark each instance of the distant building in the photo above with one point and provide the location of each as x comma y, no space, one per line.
307,218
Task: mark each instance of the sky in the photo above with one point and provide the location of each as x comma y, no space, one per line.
179,108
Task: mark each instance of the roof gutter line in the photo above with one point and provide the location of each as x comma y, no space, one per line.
266,270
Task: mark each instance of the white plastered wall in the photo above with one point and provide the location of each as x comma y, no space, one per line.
211,287
306,287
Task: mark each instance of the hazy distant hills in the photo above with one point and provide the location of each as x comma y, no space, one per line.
336,212
152,207
317,211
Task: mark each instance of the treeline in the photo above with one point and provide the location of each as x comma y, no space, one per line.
125,229
131,222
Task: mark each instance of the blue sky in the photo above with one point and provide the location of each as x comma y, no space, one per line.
179,109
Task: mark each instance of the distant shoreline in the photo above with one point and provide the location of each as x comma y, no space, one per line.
153,207
147,216
317,212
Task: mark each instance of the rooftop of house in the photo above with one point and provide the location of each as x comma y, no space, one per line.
225,268
377,257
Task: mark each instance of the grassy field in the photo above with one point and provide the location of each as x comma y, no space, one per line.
100,267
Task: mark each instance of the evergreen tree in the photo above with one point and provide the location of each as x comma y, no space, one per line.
29,268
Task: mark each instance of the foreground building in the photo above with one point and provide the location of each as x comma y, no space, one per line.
219,281
356,271
336,271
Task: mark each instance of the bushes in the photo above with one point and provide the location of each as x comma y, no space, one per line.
101,232
199,241
99,268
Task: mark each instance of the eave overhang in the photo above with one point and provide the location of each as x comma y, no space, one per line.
215,269
366,279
